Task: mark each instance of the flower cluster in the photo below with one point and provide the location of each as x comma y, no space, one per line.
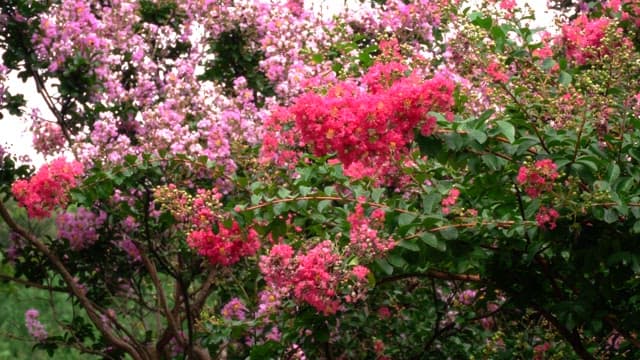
317,277
81,227
370,123
585,39
546,218
538,178
198,214
227,246
365,242
450,200
235,309
34,326
47,189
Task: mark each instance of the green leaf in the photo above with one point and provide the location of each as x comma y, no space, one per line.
305,190
565,78
428,201
384,266
478,136
613,172
498,35
405,219
507,129
449,233
478,18
376,194
409,245
396,260
610,216
322,205
433,241
284,193
548,63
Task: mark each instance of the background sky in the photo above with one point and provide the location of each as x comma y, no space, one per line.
14,131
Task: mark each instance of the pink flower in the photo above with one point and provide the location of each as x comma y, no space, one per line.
496,73
47,189
226,247
467,297
384,312
537,178
508,4
315,281
360,272
234,310
80,228
275,266
34,326
364,238
546,218
450,200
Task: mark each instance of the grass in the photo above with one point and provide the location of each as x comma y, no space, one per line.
15,342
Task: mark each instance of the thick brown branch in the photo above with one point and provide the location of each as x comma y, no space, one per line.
173,324
91,310
572,336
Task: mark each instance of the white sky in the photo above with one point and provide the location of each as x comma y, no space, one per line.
14,131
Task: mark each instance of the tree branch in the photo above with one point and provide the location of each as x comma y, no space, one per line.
91,310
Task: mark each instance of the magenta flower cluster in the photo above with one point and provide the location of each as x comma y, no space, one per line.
80,228
34,326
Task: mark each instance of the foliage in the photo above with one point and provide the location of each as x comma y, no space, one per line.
251,180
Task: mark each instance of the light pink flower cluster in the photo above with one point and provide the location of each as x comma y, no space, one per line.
47,189
538,177
468,296
80,228
365,242
413,21
315,277
171,108
34,326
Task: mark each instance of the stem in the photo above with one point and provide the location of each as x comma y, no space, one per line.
580,131
433,274
528,116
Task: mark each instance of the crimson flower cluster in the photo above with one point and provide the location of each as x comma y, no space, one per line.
370,122
200,216
48,188
227,246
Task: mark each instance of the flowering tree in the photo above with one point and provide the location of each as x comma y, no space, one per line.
236,179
